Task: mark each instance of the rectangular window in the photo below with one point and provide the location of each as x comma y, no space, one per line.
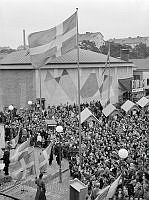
136,77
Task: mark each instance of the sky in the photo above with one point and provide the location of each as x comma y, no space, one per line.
113,18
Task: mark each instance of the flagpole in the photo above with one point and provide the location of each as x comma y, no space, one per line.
109,73
78,68
40,89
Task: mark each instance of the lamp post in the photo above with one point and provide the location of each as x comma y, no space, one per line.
123,153
30,103
11,109
59,130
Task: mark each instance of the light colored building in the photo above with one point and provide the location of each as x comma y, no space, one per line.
4,48
95,37
19,80
141,75
131,41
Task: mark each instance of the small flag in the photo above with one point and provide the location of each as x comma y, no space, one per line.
44,158
54,42
113,188
103,193
2,136
107,61
106,91
15,140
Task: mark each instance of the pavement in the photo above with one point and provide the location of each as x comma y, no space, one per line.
26,190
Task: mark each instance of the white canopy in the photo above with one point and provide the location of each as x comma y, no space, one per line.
108,109
143,102
127,105
85,114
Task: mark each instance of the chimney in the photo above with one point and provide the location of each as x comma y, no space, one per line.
124,54
24,42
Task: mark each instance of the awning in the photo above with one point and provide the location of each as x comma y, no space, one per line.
125,84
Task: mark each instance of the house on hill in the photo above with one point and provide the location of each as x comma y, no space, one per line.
93,37
131,41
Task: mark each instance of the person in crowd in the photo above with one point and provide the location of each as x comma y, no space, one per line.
6,160
101,142
41,190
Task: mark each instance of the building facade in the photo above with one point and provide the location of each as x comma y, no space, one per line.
93,37
20,81
141,78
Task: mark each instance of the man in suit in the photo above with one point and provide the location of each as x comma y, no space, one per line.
6,160
41,190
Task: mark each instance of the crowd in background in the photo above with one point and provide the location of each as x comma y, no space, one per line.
101,140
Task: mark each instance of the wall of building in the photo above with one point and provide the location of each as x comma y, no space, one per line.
16,87
146,79
61,85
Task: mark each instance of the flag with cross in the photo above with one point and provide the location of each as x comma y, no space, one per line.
55,42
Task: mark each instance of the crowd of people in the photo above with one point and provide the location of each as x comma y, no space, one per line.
101,140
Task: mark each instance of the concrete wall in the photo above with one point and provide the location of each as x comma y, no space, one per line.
61,85
16,87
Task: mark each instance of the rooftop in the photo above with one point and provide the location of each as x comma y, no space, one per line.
86,57
141,64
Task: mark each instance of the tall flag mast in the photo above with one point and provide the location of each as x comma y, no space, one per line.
51,43
109,74
79,109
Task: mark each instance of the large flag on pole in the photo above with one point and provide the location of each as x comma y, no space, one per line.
25,165
20,149
105,89
54,42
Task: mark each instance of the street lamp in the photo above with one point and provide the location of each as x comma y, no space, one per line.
11,107
123,153
59,129
29,103
30,114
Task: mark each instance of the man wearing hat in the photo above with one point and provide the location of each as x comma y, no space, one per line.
6,160
41,190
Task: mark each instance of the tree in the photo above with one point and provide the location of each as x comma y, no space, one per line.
89,45
115,49
7,51
140,51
